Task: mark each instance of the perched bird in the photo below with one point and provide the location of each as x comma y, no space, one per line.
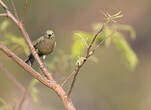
44,46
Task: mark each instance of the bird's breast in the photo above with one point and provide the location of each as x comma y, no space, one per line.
46,46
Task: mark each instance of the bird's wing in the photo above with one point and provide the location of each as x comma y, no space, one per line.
36,42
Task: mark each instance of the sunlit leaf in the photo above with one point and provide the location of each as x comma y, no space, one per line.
127,52
5,105
80,41
4,25
12,39
33,90
127,28
34,95
106,33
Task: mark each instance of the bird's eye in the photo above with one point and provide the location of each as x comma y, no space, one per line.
49,35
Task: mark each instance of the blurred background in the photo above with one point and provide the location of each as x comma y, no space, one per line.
105,85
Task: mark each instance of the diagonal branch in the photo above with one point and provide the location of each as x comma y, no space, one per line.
50,84
20,62
94,38
89,53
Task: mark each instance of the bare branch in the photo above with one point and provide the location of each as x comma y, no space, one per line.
14,8
3,5
49,83
26,67
67,78
13,79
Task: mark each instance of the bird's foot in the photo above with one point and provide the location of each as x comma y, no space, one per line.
43,60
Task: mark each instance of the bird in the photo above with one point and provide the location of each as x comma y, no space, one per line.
43,46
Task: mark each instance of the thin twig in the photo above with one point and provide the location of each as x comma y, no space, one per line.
3,14
102,42
22,101
67,78
25,8
13,79
14,8
25,96
94,38
77,69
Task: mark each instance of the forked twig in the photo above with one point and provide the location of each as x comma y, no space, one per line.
14,9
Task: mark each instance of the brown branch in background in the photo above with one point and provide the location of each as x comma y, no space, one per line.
19,86
23,99
14,8
24,12
77,69
13,79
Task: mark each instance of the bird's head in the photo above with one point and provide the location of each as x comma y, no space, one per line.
49,34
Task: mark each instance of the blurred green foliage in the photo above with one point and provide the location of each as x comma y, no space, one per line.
33,90
82,39
12,41
5,105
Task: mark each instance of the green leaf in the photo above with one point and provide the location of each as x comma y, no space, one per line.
127,52
81,39
34,94
3,101
4,25
128,28
106,32
5,105
17,41
33,90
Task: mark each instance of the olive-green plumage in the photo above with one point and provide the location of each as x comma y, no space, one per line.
44,46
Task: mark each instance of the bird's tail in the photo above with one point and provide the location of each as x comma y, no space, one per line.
30,60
